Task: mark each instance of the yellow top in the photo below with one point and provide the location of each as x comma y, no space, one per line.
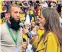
1,8
39,12
49,44
0,21
32,18
22,16
40,32
30,11
35,42
25,36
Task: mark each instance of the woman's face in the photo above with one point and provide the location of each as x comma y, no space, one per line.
42,21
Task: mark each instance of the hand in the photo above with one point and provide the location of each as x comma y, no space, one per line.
25,30
24,45
34,38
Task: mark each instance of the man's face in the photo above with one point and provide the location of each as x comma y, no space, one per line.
15,17
15,13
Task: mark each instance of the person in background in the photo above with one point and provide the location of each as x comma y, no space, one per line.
7,16
31,13
1,7
22,16
59,7
0,21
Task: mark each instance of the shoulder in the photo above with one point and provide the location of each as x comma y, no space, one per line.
3,28
3,25
52,36
21,30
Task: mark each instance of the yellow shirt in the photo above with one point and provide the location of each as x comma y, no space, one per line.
1,8
32,18
39,12
22,16
25,36
0,21
49,44
31,12
39,32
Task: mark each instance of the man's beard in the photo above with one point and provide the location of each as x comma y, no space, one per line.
14,24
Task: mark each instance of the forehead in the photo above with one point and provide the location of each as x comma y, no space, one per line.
15,8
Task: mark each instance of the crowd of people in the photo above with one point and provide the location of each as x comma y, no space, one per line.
31,26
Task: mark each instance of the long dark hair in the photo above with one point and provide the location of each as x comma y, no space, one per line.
52,23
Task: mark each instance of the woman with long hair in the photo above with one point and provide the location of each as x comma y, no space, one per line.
51,39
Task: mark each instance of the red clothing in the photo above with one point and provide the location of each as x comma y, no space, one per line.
37,11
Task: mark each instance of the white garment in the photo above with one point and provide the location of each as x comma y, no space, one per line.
44,5
33,33
27,21
29,48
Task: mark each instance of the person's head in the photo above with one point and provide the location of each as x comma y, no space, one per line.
50,20
59,2
7,16
32,23
14,11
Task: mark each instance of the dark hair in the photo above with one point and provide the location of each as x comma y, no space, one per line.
52,23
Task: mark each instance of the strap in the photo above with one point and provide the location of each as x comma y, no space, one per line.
14,38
